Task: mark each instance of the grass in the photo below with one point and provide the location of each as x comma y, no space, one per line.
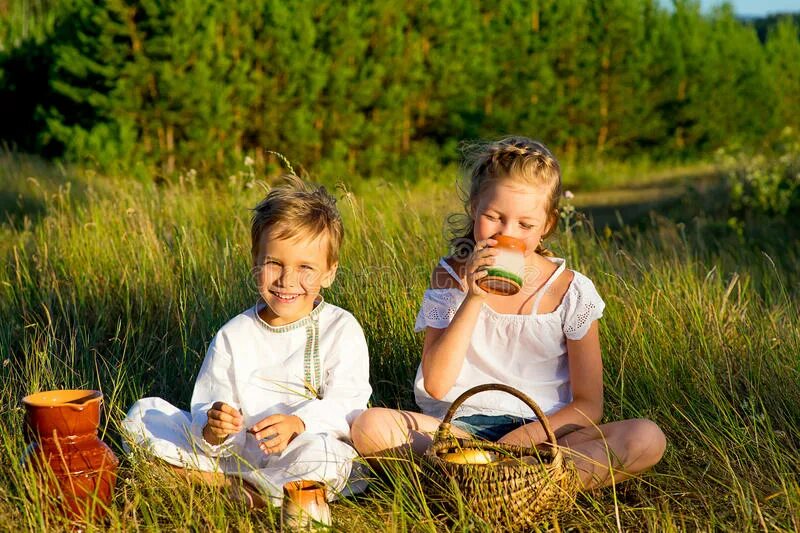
119,285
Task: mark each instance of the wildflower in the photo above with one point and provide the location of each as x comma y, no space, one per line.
568,195
248,161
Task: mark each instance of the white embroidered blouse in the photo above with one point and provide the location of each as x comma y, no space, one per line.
527,352
264,370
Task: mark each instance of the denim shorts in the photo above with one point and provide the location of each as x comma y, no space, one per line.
490,427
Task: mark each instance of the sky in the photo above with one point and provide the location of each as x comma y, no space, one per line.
757,7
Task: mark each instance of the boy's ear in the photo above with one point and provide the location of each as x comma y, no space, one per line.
330,275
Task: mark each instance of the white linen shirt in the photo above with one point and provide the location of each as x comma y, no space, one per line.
259,369
527,352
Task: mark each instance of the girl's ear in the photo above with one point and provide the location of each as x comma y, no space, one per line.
329,276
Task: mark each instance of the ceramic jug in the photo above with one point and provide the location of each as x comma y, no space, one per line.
77,468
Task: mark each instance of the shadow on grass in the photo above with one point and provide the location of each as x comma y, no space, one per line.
29,184
16,207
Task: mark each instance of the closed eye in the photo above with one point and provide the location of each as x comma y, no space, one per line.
490,217
526,226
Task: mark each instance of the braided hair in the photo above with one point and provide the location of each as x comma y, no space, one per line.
513,158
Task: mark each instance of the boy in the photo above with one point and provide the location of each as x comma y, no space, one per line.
282,381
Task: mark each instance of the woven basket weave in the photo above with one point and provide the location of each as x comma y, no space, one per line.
526,486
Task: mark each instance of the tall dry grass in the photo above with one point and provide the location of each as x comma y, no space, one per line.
119,285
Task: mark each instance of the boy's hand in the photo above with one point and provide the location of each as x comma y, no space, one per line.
276,432
223,420
481,258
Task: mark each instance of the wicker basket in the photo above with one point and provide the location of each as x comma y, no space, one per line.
525,487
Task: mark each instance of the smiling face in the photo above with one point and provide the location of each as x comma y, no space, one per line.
290,274
513,209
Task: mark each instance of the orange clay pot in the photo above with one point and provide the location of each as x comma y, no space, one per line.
76,467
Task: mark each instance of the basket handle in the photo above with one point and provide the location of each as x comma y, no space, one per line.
548,429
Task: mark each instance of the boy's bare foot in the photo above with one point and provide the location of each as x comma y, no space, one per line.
243,492
237,489
213,479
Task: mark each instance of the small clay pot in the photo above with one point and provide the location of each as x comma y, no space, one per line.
505,276
305,507
78,469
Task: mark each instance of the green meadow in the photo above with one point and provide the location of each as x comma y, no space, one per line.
117,284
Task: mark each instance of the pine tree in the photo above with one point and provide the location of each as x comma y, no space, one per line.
543,67
289,73
739,100
91,47
450,99
667,80
354,83
577,64
387,88
783,55
624,111
691,33
555,72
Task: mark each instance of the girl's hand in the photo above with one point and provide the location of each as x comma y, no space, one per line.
276,432
482,256
223,420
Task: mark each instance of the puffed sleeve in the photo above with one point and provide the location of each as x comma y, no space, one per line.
345,388
582,306
215,384
439,306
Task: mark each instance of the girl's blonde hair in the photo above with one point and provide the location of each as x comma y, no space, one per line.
517,159
295,209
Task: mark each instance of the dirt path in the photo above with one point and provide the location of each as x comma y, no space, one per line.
629,202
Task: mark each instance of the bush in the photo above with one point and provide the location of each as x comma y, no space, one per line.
763,187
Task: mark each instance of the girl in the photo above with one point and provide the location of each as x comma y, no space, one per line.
543,340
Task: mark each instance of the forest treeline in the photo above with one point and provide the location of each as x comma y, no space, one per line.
388,87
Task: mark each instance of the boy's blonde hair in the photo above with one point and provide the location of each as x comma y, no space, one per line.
295,209
515,159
